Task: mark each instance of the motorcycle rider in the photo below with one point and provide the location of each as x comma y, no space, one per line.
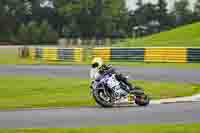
99,69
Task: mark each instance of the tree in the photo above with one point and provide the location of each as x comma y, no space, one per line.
197,10
1,8
23,34
122,23
14,7
163,17
140,18
47,33
145,14
182,12
11,12
145,19
139,3
114,15
92,16
37,33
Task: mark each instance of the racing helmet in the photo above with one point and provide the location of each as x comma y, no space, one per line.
97,62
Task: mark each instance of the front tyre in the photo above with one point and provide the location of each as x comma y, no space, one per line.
101,99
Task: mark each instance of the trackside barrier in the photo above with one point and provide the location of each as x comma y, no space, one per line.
104,53
150,54
176,55
193,55
56,54
23,52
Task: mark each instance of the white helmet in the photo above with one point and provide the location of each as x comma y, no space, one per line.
97,62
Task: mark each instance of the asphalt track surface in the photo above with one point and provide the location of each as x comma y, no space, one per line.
135,73
92,117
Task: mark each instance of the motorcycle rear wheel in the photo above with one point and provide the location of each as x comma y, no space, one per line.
142,100
100,100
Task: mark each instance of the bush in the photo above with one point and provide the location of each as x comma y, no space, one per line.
34,32
51,36
47,33
37,33
23,34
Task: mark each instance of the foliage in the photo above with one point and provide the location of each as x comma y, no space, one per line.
37,33
197,10
182,12
91,18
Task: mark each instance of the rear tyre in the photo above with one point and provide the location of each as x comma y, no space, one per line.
101,99
142,100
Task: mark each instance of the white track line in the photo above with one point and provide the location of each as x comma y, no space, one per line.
195,98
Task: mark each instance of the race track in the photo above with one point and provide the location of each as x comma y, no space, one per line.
94,116
137,73
91,117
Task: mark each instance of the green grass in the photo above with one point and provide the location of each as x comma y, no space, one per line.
10,56
16,60
34,92
186,36
176,128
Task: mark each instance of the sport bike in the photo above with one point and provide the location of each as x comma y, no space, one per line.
108,91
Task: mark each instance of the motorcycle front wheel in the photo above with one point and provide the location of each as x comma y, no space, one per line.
102,99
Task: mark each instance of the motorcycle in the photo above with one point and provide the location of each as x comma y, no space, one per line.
108,91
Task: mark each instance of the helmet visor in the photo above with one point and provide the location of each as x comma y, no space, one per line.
95,65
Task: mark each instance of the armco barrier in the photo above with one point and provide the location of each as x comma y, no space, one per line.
150,54
56,54
127,54
193,55
165,55
119,54
104,53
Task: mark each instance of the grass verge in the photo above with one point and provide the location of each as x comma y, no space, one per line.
177,128
9,55
33,92
172,38
12,60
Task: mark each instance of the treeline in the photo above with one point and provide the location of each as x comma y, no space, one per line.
34,21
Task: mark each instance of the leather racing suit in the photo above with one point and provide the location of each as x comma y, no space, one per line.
106,69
